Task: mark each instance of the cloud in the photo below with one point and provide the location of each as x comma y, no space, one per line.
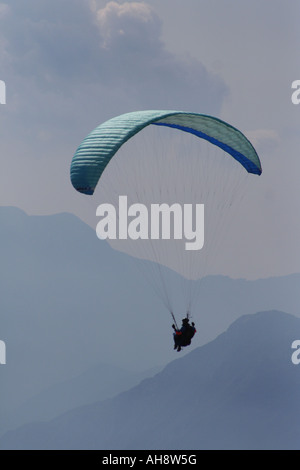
125,24
135,57
70,65
70,44
49,40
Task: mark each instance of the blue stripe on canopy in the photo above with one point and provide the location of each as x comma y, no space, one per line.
247,164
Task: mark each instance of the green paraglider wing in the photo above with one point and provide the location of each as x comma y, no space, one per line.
98,148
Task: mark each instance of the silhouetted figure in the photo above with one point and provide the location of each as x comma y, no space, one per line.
183,337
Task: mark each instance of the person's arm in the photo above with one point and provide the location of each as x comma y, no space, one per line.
178,332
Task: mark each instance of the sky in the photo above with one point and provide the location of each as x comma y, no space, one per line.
70,65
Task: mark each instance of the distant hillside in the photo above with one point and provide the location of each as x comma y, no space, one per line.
69,302
98,383
240,391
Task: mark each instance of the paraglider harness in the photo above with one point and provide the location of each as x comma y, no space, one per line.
188,333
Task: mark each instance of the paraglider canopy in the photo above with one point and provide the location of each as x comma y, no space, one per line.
99,147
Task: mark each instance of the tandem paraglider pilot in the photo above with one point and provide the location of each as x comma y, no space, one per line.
183,337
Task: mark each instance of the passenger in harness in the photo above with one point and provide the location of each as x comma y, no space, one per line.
183,336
